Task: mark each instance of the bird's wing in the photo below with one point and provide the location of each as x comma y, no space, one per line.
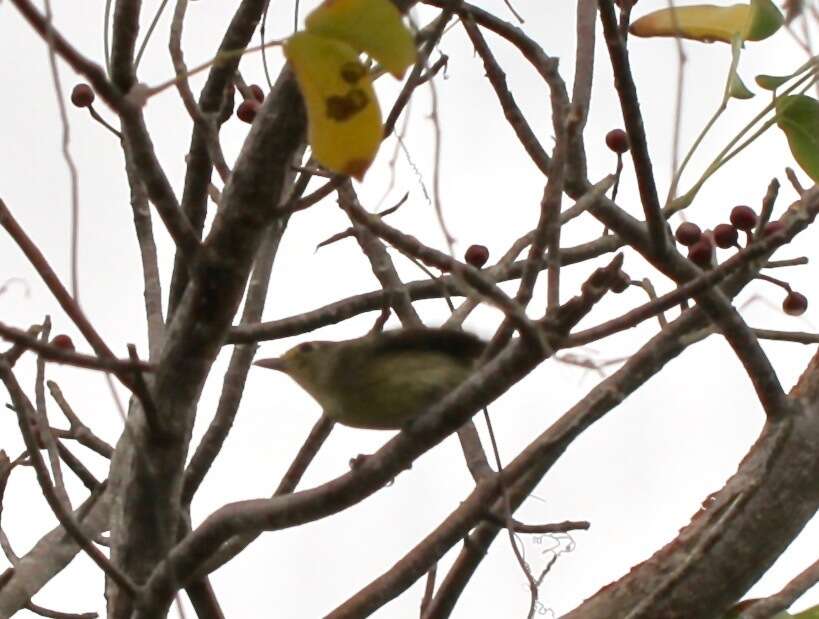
368,357
452,342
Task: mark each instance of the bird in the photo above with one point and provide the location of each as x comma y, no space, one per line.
383,380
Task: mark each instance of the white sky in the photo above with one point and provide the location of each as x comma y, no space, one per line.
638,475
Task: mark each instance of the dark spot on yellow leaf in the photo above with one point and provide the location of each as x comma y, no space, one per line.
351,72
343,108
358,98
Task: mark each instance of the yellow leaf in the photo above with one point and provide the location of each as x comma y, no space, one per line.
370,26
707,22
344,121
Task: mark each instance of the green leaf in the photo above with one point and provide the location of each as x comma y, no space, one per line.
798,117
771,82
765,20
735,87
808,613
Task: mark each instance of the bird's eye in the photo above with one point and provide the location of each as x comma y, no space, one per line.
307,347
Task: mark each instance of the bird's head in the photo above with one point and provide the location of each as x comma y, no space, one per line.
308,363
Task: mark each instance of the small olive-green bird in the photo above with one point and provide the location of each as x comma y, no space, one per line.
383,380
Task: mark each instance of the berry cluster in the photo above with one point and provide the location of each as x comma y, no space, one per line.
702,247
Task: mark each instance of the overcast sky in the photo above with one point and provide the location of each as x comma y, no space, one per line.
638,475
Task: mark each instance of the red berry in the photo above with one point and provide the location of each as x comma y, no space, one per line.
617,140
688,233
82,95
725,236
63,341
772,227
701,253
247,110
743,218
476,255
795,303
257,92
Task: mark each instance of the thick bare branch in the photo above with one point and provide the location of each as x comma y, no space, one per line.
197,330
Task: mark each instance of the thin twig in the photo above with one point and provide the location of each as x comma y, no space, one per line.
542,529
288,483
789,262
69,160
24,413
441,261
380,261
24,340
13,354
159,187
678,101
436,29
143,228
236,374
691,288
434,118
507,514
236,521
429,588
768,203
581,89
77,467
206,124
42,427
299,204
5,472
770,606
794,181
149,32
143,393
797,337
55,614
38,261
343,309
497,78
648,287
96,116
634,128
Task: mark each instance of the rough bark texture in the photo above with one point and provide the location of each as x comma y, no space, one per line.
738,534
146,512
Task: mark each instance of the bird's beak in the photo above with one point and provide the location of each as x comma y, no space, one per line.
273,363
